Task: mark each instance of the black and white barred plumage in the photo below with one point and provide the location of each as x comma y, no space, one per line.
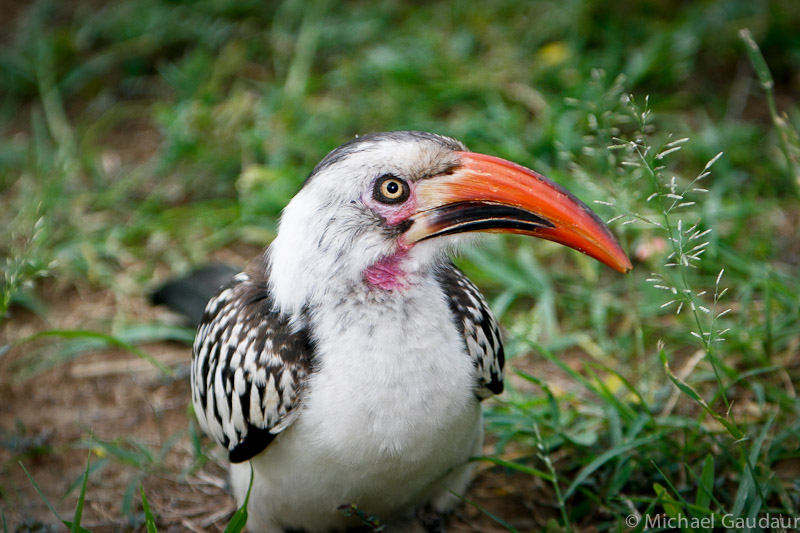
479,328
249,365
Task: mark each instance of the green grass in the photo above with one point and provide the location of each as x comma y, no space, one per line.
75,525
143,136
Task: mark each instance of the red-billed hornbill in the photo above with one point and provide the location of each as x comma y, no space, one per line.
348,363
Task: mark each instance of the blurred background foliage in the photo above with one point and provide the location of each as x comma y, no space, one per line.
140,137
131,123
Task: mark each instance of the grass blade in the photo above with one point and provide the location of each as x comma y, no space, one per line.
127,496
108,340
551,398
647,512
41,494
76,517
239,518
120,454
706,486
694,395
484,511
784,128
757,59
47,502
149,521
749,489
96,466
516,466
603,458
671,507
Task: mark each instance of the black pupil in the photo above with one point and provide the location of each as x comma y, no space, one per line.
392,187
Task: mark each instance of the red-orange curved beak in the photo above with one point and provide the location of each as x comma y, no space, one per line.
486,193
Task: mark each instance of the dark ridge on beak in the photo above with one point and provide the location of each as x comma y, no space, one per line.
463,217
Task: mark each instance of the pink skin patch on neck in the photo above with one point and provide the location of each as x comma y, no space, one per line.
387,273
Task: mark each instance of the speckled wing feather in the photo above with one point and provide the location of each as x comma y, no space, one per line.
481,334
248,366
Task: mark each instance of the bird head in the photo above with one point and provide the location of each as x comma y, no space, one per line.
386,207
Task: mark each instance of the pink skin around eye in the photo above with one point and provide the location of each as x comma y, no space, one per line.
387,273
393,214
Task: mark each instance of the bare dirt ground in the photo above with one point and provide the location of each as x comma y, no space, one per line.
48,420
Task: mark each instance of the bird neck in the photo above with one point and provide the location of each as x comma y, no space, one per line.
298,283
388,273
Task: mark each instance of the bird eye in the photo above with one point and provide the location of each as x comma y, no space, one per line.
390,189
